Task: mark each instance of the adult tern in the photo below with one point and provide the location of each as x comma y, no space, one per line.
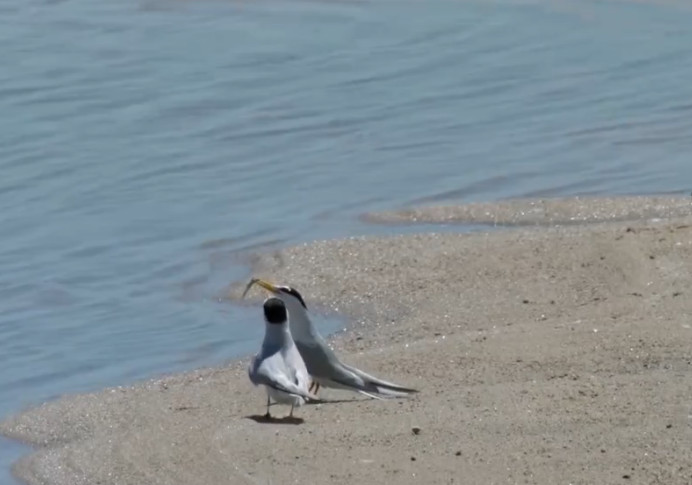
278,366
324,366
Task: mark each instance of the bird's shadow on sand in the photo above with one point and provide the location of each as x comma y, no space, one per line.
330,401
264,419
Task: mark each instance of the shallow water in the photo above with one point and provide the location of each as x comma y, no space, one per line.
145,145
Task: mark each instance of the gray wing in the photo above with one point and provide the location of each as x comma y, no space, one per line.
382,386
296,365
273,372
321,362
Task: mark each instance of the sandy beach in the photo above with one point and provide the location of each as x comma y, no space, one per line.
546,353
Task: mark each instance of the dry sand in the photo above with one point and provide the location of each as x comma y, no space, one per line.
543,355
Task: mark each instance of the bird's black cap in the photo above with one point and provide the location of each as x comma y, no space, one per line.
292,291
275,311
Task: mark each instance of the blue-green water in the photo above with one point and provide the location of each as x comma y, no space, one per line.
145,144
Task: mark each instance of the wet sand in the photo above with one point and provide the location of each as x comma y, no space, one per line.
543,355
542,212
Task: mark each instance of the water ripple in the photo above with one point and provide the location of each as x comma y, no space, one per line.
148,147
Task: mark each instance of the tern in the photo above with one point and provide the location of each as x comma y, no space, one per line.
278,365
324,366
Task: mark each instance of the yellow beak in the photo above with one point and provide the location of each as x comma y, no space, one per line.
264,284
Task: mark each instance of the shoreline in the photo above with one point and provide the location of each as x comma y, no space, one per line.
541,212
494,314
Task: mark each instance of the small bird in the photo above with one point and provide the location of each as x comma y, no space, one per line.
324,366
278,365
